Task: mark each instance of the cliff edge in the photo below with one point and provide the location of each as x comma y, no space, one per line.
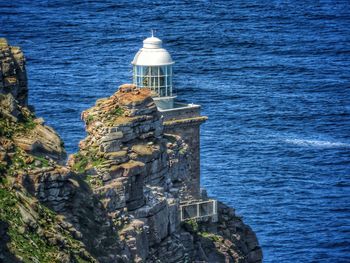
116,200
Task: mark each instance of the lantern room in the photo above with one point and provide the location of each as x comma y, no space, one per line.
152,68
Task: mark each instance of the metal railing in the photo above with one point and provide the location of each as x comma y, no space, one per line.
199,210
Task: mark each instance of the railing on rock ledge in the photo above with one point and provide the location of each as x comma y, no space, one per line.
199,210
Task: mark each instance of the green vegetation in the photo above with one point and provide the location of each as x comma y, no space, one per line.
44,162
117,111
191,225
6,128
97,162
182,150
9,128
82,161
22,161
17,161
211,236
3,180
25,241
28,124
89,119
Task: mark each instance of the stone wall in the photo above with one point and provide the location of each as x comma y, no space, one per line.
182,111
186,122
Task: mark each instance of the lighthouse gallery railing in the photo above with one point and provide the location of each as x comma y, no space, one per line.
199,210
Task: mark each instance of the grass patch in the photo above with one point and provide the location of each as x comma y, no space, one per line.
97,162
182,150
191,225
44,162
84,163
211,236
89,119
117,111
80,163
18,162
3,179
6,129
29,124
9,128
24,243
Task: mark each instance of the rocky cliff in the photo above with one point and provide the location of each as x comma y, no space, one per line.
116,200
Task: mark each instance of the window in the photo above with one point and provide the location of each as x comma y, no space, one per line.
157,78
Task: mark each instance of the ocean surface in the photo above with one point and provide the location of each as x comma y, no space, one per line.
273,77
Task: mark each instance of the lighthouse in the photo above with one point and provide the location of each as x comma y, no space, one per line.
153,69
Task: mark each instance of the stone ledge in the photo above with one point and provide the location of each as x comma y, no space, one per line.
195,120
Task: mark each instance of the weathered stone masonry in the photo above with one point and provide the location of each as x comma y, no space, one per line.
185,121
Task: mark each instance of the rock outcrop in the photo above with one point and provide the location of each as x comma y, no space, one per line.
133,168
13,77
118,197
28,132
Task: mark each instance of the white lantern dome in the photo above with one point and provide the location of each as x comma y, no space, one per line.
153,69
152,54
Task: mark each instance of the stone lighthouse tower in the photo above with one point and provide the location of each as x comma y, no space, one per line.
153,69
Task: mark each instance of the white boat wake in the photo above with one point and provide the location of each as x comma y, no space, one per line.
318,143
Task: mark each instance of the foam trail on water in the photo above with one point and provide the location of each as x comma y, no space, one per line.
317,143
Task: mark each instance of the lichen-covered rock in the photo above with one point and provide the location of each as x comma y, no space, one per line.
135,237
13,77
29,133
228,240
42,140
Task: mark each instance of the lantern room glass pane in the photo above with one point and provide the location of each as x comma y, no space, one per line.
157,78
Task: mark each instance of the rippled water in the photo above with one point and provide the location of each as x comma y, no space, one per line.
273,77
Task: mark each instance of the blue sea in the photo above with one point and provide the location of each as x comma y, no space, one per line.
272,76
